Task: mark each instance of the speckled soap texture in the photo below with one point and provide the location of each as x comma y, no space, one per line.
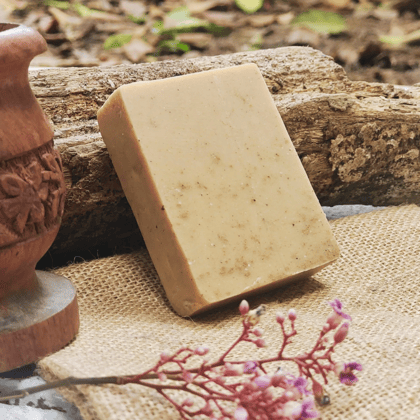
217,188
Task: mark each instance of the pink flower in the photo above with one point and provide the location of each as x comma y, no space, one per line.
338,309
250,367
232,370
341,333
292,410
300,384
308,409
244,307
240,414
262,381
346,375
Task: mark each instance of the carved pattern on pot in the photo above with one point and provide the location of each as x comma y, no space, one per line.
32,192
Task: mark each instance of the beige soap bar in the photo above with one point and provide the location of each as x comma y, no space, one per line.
217,188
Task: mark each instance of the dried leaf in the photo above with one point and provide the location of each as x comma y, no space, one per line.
136,49
259,21
198,40
200,6
137,9
285,18
337,4
225,19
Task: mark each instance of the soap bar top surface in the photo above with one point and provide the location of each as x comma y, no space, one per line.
223,202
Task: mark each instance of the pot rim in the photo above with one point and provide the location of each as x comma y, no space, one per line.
19,43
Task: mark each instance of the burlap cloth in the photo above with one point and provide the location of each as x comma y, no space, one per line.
126,322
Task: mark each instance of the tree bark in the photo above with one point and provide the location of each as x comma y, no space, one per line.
359,142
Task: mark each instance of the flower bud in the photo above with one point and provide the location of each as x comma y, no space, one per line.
201,350
258,331
244,307
260,343
240,414
187,376
188,402
317,390
162,377
277,379
164,356
341,333
280,317
292,314
262,381
338,368
233,370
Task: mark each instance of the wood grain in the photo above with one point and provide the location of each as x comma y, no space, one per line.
359,142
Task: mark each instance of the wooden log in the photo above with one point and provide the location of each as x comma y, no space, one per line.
359,142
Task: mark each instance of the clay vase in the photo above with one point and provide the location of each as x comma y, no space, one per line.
32,193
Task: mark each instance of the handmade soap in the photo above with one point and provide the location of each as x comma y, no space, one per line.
217,188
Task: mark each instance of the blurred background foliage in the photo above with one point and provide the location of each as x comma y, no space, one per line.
373,40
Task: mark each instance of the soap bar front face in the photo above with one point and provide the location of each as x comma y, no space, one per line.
219,193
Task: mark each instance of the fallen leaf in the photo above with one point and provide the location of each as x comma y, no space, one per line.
225,19
137,49
172,46
249,6
198,6
321,21
337,4
181,20
137,9
303,36
63,5
398,40
198,40
116,41
259,21
285,18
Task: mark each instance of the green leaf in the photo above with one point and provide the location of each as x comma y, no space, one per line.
180,20
157,27
138,20
401,39
116,41
64,5
392,40
173,46
249,6
321,21
82,9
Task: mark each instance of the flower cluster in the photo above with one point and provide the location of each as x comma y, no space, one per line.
246,390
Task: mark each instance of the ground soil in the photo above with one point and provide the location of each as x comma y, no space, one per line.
76,37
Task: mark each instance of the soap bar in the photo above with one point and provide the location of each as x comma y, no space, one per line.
219,193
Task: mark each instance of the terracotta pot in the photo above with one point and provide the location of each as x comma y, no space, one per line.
32,187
